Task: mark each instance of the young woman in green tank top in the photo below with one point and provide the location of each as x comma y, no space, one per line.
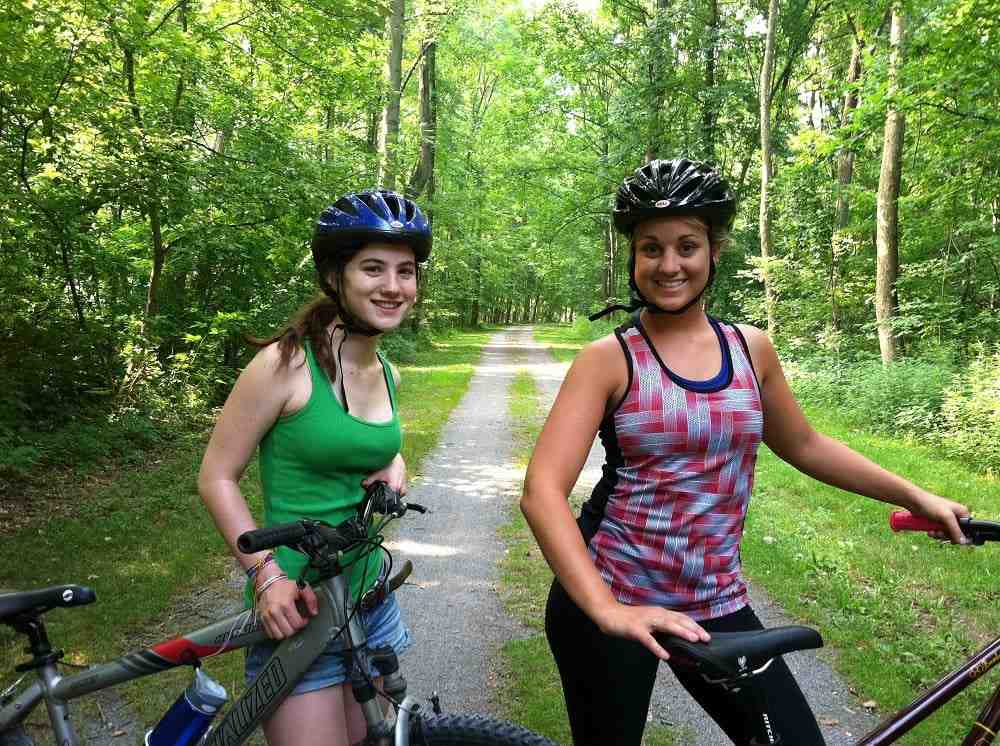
319,401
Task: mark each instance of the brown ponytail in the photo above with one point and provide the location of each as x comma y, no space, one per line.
311,322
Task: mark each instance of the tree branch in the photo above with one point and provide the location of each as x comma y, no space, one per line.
165,18
406,80
957,113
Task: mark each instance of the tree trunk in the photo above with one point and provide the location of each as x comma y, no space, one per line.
766,71
887,207
389,135
71,282
660,43
845,174
477,279
709,113
159,255
422,180
609,259
423,175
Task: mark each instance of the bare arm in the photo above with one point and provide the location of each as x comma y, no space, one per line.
255,403
595,381
788,433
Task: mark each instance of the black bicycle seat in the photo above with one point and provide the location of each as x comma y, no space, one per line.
34,603
735,654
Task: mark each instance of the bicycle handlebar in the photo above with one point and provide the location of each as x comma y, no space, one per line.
337,538
978,531
271,537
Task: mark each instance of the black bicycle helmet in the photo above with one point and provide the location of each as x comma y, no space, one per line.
674,187
663,188
374,215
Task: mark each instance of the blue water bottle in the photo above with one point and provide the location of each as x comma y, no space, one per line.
188,718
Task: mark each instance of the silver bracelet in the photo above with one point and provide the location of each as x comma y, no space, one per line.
267,584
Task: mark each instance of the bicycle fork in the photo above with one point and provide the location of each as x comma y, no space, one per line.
357,657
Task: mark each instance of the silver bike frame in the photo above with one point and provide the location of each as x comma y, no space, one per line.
273,684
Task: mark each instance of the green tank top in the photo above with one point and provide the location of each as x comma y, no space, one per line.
312,463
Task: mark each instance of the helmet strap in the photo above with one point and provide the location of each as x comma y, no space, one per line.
349,321
639,301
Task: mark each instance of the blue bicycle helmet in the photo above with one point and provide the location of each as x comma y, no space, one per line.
371,215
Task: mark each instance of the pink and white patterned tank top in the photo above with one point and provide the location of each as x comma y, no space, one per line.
677,481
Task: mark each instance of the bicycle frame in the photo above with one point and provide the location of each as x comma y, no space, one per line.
275,682
985,728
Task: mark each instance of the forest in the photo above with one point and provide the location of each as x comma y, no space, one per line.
162,162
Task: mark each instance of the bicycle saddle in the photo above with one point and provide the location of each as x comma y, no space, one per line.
736,654
37,602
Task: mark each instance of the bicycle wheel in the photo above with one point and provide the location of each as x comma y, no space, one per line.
15,737
472,730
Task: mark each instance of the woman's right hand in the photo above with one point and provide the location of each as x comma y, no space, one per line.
641,623
283,607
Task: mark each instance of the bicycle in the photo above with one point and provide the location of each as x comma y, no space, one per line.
407,723
732,658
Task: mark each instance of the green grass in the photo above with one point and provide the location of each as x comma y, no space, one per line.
565,341
142,539
897,611
530,688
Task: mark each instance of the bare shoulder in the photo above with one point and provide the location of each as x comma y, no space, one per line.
762,352
599,354
600,369
753,335
268,369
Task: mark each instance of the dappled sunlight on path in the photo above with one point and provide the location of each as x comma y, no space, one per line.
469,483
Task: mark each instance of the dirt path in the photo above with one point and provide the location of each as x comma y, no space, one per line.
468,482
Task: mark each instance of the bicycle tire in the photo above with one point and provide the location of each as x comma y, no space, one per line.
16,736
472,730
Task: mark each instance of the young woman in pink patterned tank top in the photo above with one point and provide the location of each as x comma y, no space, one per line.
681,402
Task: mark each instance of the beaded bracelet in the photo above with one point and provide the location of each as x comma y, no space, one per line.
259,565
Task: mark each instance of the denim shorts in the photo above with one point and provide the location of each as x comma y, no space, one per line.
383,625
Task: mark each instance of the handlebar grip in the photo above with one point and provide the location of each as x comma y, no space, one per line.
902,520
283,534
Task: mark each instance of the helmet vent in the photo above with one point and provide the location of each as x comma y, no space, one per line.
345,205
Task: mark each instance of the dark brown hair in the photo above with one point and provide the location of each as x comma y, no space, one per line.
312,321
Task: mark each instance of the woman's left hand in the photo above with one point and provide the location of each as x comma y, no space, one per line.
940,510
393,474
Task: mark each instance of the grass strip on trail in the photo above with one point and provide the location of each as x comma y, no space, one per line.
530,690
142,539
897,611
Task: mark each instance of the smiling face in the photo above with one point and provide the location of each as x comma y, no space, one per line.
379,284
672,260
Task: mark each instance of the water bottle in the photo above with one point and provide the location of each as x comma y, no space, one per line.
188,718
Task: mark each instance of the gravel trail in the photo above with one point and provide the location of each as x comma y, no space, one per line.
468,483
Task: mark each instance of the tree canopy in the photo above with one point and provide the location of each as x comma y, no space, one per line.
162,162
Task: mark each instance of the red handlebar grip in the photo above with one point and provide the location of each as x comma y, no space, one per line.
904,521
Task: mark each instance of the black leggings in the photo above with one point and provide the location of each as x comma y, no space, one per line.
608,681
